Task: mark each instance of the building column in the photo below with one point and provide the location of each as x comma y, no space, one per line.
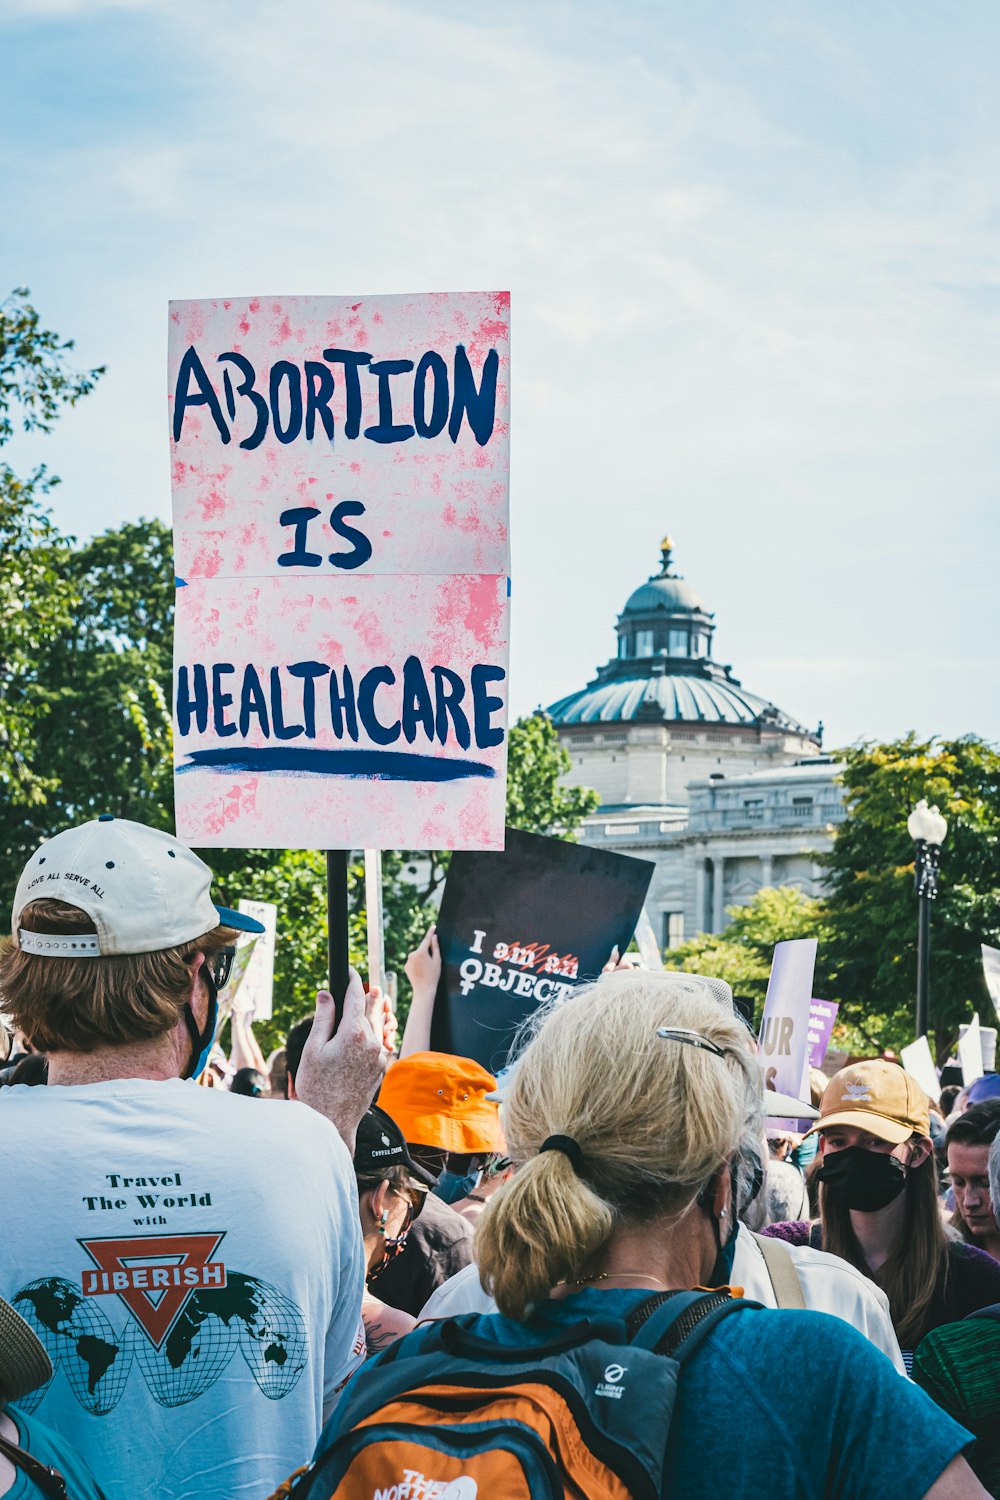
766,870
700,923
718,904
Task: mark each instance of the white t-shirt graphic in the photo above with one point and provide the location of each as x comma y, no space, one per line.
192,1262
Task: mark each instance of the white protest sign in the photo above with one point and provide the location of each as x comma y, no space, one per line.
340,495
919,1063
257,989
970,1051
991,973
784,1027
645,941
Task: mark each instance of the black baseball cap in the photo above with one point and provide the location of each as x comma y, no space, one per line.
380,1144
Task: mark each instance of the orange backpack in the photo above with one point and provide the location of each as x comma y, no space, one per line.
445,1415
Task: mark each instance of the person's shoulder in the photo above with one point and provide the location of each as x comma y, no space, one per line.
790,1231
978,1336
55,1451
961,1252
461,1293
975,1271
438,1222
807,1258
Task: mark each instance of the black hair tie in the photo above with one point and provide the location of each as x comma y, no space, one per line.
569,1147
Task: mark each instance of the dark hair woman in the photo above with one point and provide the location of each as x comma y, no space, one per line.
878,1203
967,1145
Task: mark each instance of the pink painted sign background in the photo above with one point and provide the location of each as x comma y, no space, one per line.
316,705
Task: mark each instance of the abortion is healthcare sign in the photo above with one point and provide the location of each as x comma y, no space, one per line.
340,492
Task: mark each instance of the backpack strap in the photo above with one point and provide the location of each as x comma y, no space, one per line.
675,1323
48,1479
785,1280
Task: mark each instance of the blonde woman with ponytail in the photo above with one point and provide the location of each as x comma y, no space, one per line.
625,1118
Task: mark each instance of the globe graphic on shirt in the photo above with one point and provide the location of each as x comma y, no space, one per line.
272,1335
78,1337
191,1358
246,1312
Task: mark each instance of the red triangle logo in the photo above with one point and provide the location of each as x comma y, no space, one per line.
154,1275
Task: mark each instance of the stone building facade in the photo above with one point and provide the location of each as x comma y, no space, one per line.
725,791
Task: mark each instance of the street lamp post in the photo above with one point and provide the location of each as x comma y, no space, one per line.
927,829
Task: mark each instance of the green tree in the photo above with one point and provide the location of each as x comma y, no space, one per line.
741,954
870,908
37,599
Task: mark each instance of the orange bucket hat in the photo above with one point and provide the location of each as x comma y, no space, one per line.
440,1100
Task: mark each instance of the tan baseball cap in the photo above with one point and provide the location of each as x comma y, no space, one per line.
876,1096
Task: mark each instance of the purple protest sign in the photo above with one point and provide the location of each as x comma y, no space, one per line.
822,1014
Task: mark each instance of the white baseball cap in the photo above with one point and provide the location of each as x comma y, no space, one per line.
143,889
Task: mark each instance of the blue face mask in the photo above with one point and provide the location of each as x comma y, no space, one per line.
451,1188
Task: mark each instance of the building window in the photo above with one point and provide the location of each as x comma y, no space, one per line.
673,929
623,645
699,643
802,802
677,642
644,643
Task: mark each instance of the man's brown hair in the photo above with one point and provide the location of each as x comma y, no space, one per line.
79,1004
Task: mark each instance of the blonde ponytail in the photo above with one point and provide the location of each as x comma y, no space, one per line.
654,1120
540,1229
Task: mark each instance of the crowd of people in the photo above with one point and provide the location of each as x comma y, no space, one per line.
361,1267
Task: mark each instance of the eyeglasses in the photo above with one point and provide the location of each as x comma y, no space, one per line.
689,1038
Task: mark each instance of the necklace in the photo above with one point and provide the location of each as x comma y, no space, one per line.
615,1276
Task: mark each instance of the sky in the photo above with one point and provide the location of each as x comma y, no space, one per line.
753,251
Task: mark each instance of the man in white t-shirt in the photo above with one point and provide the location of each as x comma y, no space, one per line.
191,1259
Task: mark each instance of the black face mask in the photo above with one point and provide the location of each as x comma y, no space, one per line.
862,1180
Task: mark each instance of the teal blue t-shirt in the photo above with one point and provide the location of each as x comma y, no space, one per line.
792,1405
49,1448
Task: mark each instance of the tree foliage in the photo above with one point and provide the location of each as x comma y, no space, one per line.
870,952
741,954
37,599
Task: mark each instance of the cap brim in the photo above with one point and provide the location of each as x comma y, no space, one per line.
239,920
878,1125
24,1364
784,1107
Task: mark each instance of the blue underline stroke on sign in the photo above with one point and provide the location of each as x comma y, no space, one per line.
359,765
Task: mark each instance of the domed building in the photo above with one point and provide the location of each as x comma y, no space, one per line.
724,789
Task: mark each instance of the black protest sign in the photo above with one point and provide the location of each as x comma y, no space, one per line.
524,926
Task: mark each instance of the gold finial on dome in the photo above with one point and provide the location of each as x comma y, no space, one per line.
666,548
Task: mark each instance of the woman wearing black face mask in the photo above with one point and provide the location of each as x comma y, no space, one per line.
879,1205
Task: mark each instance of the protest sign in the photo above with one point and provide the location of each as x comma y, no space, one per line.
919,1063
340,495
784,1027
257,991
525,926
970,1051
822,1015
991,973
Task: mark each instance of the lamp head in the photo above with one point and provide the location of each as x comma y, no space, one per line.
927,824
